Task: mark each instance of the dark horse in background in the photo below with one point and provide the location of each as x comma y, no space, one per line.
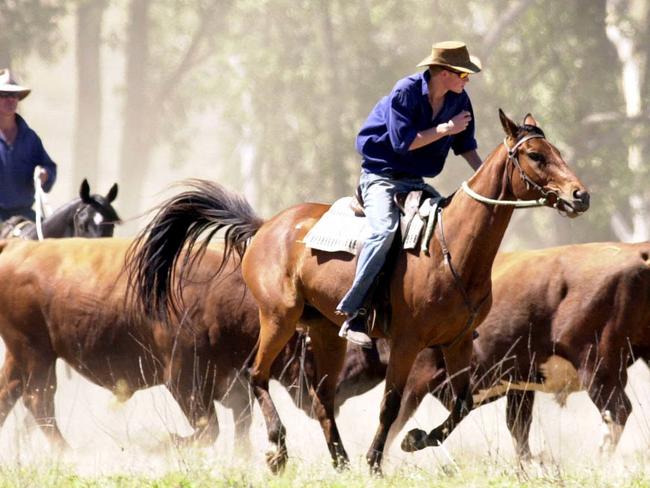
437,298
90,215
576,326
67,298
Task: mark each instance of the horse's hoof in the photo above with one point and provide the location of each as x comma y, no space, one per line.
342,464
415,440
374,463
276,460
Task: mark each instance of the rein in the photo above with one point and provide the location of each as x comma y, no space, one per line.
41,204
38,194
512,156
473,311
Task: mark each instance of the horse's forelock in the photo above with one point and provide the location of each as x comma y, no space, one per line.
101,205
527,129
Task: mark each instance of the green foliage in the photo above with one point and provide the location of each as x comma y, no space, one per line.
291,82
27,25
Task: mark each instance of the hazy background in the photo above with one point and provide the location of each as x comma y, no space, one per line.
267,96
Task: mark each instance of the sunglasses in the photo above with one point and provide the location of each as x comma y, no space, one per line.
8,95
461,74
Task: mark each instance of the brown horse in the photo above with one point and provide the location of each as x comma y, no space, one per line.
437,297
67,298
578,327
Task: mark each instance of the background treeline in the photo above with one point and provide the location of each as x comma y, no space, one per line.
267,95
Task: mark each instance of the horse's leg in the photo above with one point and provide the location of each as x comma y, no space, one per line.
427,376
38,397
402,356
329,355
457,362
276,329
519,415
11,386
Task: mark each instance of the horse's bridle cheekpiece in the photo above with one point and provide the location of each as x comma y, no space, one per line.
512,156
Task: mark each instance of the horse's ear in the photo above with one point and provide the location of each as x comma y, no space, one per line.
530,120
112,193
84,191
509,126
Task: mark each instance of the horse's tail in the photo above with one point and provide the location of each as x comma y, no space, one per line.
179,222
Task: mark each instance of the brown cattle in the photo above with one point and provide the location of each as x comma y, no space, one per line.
563,319
449,281
66,298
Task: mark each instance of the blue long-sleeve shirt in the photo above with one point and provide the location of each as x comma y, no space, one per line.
391,127
17,163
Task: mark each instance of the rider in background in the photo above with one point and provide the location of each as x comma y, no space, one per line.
406,137
21,154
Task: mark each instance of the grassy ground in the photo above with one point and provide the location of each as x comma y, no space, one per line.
474,474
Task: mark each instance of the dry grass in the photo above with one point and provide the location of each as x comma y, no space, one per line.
128,444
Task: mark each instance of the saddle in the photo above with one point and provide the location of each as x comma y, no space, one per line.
14,227
377,306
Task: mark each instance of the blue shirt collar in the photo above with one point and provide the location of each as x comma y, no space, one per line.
425,76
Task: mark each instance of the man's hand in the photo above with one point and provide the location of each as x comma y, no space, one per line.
42,174
458,123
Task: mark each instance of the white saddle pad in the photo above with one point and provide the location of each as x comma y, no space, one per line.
340,230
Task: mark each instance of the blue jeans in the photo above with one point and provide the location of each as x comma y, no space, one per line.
383,217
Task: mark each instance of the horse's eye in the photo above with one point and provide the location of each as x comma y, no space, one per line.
537,157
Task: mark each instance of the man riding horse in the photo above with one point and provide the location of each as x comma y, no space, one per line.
407,136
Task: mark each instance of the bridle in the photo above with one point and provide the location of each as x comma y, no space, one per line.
472,308
513,157
78,229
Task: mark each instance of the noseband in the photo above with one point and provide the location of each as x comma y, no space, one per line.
512,156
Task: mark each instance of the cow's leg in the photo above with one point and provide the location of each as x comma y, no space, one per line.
329,355
607,391
457,362
38,397
239,401
402,356
195,395
519,415
11,386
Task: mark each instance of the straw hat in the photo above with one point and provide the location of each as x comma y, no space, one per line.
8,84
452,54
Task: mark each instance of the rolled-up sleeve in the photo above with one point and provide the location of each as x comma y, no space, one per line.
465,141
401,130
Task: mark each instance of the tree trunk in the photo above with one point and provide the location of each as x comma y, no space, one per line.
136,136
335,137
89,93
626,24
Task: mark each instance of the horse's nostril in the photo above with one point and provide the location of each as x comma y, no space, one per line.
582,196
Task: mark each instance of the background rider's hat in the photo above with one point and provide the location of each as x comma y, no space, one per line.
452,54
8,84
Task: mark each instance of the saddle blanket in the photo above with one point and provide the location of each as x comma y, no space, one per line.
340,230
